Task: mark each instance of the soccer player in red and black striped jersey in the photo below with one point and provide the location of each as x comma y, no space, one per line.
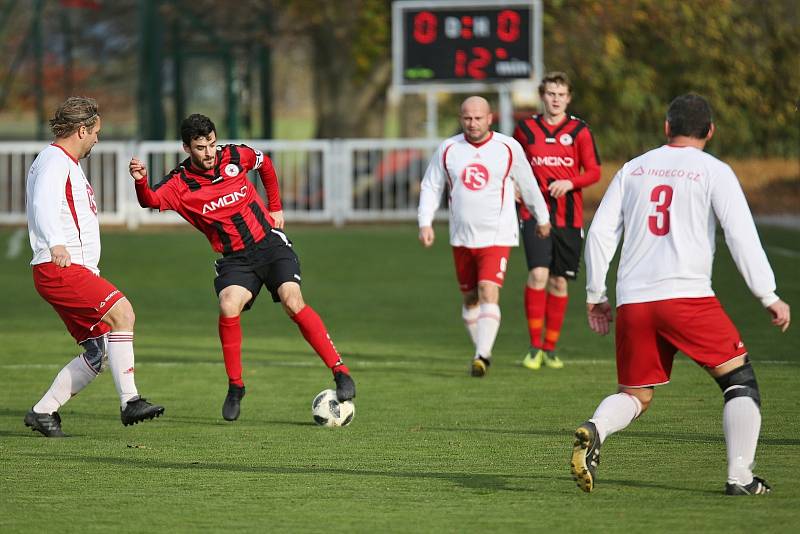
210,189
564,159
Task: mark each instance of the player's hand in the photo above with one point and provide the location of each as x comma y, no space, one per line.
60,256
781,316
543,230
426,236
600,316
137,169
277,217
559,188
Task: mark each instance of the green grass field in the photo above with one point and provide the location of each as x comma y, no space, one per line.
431,449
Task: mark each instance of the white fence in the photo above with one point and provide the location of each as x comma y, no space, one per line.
321,181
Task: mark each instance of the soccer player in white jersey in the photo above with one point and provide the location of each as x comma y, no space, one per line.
480,168
65,238
666,202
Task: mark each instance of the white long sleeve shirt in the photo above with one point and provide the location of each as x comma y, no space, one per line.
665,202
61,209
480,178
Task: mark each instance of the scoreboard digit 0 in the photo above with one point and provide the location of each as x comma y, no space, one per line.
443,42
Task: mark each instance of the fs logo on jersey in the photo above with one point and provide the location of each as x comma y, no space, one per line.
90,194
475,176
259,159
231,169
565,139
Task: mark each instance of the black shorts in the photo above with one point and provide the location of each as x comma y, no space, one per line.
270,263
560,252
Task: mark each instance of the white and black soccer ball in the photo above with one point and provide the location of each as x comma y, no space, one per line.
328,411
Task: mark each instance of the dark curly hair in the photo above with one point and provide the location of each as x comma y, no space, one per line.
195,126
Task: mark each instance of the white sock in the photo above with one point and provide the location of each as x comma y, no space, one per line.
75,376
615,413
487,327
120,361
470,316
741,422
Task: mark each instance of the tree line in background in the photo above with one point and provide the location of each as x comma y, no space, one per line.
627,58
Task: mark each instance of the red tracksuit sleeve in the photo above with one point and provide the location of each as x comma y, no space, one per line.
146,196
270,180
589,160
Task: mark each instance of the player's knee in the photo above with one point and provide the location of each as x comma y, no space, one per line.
95,353
741,382
557,284
488,292
291,298
121,317
643,395
537,277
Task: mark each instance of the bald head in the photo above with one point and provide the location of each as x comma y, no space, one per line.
476,118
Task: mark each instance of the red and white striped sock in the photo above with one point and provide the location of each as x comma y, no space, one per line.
120,361
488,325
470,317
75,376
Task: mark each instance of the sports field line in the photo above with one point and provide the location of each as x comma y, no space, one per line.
15,244
784,251
351,364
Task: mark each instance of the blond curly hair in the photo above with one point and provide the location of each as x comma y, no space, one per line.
74,112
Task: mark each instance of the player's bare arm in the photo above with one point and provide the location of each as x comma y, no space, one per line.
60,256
781,314
600,316
559,188
137,169
277,216
426,236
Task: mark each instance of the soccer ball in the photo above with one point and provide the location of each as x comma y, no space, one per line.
328,411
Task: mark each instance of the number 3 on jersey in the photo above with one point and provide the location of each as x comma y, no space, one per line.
661,195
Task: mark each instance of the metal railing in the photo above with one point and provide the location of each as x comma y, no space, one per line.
320,180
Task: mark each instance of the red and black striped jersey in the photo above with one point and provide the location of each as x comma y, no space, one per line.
222,202
559,152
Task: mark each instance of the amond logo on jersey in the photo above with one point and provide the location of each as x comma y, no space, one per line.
232,169
475,176
225,200
565,139
552,161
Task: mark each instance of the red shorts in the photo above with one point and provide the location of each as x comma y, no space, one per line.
649,334
80,297
475,265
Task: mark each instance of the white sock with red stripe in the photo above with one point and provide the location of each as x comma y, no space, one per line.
488,325
615,413
470,316
120,361
75,376
741,422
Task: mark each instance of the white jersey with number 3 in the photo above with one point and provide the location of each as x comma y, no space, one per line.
480,178
61,209
665,202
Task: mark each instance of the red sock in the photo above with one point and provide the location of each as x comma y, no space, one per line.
230,335
534,310
556,309
313,329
